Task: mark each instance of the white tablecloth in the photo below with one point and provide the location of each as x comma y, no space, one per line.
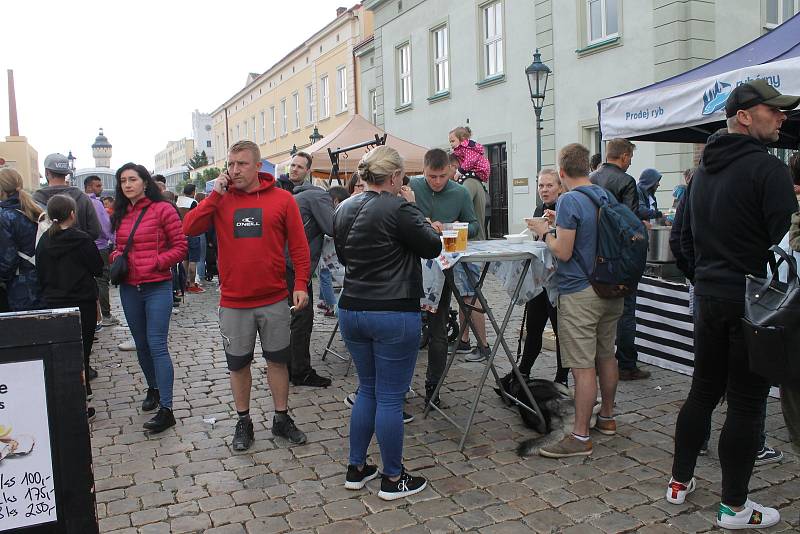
506,265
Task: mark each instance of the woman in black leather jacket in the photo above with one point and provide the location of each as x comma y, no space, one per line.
380,237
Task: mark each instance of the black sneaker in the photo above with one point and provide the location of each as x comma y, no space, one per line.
91,414
244,434
429,393
463,347
283,427
768,455
403,487
162,421
407,417
356,479
312,379
151,401
91,373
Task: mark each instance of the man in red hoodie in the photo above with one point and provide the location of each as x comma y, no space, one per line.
254,222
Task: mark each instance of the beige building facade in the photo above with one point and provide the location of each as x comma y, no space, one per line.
314,85
21,156
176,153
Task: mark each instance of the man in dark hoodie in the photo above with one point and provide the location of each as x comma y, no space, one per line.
56,169
613,177
647,187
316,210
740,203
299,172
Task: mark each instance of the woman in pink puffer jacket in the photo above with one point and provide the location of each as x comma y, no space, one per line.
157,244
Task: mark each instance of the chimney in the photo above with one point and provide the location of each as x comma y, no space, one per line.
340,11
13,124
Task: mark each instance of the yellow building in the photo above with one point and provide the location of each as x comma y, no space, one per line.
17,154
176,154
312,86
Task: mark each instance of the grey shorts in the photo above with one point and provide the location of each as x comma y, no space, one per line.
239,326
461,279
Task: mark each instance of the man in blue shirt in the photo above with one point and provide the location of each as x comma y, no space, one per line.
587,324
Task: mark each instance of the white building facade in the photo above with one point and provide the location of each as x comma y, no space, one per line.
437,64
202,135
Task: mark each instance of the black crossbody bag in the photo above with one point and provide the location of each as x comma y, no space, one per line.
771,323
118,270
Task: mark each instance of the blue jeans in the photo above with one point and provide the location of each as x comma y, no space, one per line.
384,347
148,308
627,355
326,287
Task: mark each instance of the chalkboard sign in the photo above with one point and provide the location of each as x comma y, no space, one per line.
46,481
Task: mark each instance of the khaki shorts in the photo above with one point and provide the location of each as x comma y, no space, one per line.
239,327
587,327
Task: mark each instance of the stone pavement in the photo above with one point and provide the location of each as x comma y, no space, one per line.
189,480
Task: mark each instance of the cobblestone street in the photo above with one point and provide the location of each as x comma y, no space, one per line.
188,479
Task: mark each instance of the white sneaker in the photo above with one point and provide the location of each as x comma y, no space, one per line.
127,345
677,491
753,515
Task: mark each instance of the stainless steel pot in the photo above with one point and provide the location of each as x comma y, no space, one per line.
658,251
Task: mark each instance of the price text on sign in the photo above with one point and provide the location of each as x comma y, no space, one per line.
27,495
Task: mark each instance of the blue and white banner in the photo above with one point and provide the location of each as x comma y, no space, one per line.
691,103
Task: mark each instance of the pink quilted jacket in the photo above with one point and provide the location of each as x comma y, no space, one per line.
470,156
158,243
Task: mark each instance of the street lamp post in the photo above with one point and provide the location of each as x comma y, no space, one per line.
537,74
315,135
293,151
71,160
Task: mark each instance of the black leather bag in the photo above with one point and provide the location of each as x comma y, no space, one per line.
771,323
118,270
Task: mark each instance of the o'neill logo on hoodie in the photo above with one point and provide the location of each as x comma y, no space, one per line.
247,222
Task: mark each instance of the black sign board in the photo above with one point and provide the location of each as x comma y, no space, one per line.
46,480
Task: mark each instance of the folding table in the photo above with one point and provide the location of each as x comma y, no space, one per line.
517,259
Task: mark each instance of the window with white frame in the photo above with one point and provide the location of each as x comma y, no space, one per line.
602,20
441,63
263,136
238,132
284,121
244,129
296,99
779,11
492,39
309,103
372,100
325,98
273,120
404,74
341,89
253,127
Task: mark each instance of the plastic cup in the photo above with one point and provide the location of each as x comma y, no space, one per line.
450,239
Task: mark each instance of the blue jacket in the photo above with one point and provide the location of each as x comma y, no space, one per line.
648,183
18,233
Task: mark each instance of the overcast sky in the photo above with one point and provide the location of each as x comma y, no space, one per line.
137,70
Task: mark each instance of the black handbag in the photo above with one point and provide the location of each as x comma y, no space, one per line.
771,323
119,267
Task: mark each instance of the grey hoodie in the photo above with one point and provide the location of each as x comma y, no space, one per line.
86,214
316,210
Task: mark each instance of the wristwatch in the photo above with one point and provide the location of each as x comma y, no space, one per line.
551,231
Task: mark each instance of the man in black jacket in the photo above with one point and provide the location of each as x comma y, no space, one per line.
740,203
299,172
316,209
613,177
